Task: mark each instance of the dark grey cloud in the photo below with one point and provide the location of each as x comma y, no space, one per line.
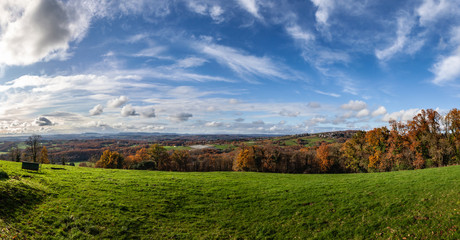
181,117
43,121
148,113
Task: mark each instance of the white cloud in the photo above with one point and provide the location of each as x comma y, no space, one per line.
117,102
403,115
323,11
405,24
216,13
128,110
245,64
298,34
153,51
379,111
447,69
327,93
213,124
96,110
354,105
33,31
197,7
288,113
190,62
430,10
233,101
250,6
363,113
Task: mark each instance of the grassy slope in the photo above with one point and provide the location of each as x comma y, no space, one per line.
83,203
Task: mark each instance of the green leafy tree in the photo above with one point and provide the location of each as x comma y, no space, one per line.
160,156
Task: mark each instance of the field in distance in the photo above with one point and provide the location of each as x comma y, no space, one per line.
85,203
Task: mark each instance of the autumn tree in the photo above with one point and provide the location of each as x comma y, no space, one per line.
398,155
245,160
376,142
180,159
322,153
33,147
424,130
44,156
110,159
452,122
132,161
353,152
250,158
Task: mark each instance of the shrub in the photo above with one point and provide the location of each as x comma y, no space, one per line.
3,175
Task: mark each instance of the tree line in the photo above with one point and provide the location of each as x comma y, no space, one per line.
428,140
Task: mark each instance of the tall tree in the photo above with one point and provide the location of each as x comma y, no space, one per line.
322,153
180,159
33,147
44,156
353,150
376,141
15,154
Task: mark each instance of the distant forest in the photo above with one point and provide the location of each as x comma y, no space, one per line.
428,140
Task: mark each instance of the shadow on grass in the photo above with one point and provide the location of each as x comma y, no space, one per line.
16,197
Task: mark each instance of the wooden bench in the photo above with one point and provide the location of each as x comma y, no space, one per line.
30,166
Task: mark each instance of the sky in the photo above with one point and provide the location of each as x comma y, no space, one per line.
224,66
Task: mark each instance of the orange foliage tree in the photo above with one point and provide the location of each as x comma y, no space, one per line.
44,156
322,153
110,159
133,160
376,141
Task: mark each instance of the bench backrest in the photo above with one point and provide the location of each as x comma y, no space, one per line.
30,166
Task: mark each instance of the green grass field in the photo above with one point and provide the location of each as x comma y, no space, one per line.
87,203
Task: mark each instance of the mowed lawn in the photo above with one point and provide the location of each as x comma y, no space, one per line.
88,203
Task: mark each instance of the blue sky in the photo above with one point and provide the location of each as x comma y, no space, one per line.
242,66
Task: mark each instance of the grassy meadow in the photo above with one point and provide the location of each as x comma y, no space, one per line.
88,203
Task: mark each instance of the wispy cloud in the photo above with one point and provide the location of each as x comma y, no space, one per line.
403,41
327,93
248,66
